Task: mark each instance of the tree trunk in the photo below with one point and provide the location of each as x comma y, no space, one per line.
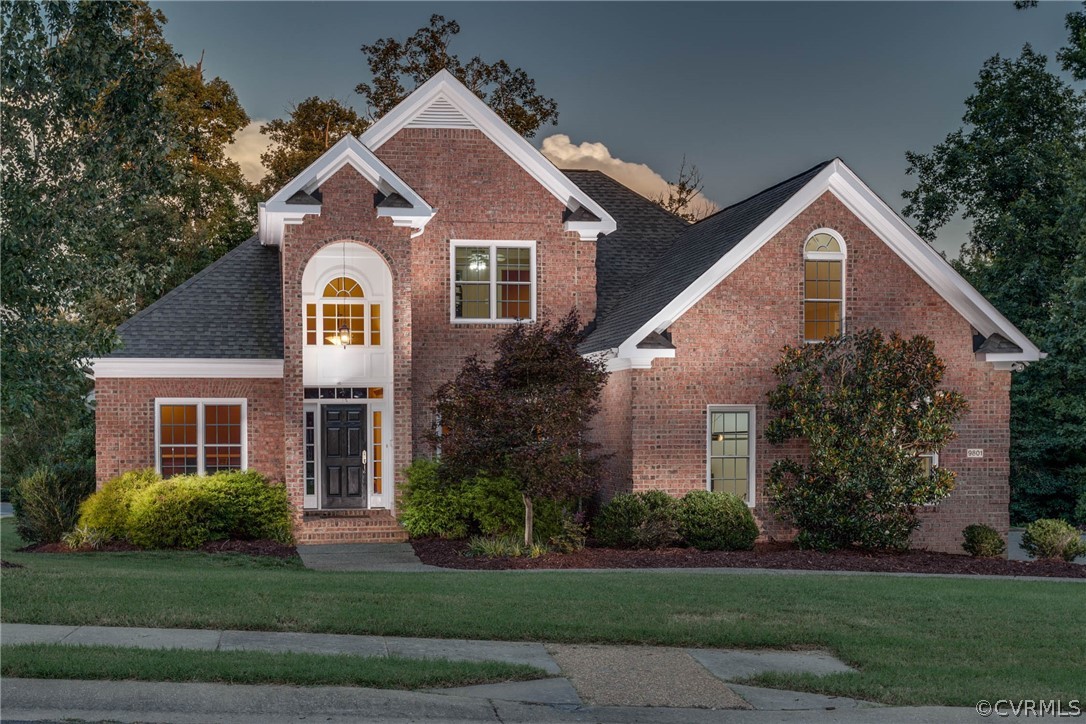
528,520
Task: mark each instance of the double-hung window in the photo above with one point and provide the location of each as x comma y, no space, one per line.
730,450
200,436
823,286
493,281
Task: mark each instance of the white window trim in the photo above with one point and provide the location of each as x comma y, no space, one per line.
200,403
375,501
753,432
366,300
492,245
841,256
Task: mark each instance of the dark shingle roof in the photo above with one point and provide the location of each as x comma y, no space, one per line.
302,198
581,214
998,344
689,256
644,231
231,309
393,201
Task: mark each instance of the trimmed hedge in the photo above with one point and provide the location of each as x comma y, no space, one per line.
638,520
189,510
716,522
107,510
431,506
982,541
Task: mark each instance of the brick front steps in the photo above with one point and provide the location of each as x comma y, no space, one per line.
348,526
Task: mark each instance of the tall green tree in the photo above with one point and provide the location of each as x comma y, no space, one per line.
86,139
1016,170
398,67
313,126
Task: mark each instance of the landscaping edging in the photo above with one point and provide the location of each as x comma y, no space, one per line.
270,548
771,556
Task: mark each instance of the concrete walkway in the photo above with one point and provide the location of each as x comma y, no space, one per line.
592,682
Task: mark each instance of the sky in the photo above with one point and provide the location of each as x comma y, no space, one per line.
751,93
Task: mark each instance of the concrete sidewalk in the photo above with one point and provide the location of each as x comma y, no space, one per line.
133,701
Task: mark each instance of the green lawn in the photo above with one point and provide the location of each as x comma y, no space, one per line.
915,641
55,661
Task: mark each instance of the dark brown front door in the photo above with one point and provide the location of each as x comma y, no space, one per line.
344,456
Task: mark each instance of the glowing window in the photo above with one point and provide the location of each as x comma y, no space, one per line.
343,307
823,287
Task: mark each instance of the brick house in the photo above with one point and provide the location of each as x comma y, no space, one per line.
309,352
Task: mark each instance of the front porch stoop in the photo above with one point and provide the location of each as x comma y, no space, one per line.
348,526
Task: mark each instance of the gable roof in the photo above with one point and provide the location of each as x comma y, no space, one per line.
644,231
690,254
232,309
444,102
300,197
705,254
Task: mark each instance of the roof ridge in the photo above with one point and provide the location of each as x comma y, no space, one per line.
817,166
640,195
150,308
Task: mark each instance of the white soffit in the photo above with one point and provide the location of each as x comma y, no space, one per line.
887,225
276,213
444,102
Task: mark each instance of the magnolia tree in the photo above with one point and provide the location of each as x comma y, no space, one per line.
869,409
525,415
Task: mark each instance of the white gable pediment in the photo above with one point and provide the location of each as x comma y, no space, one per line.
444,102
292,203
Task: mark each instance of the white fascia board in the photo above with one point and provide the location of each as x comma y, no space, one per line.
886,224
504,137
276,212
186,367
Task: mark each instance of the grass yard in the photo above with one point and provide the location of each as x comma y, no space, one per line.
55,661
915,641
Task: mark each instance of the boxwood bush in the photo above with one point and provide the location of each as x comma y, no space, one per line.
431,506
982,541
1053,538
188,510
716,522
106,511
638,520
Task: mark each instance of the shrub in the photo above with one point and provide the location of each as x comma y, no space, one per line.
107,510
431,506
716,522
1052,538
638,520
46,502
83,537
983,541
502,546
496,507
189,510
571,535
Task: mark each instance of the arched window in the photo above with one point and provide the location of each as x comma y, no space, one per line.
343,317
823,286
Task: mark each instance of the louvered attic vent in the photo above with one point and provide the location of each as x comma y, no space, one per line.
440,114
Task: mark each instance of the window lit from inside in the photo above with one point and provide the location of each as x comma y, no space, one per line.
823,287
731,451
492,283
343,316
200,438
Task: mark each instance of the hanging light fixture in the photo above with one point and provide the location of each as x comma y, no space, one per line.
344,328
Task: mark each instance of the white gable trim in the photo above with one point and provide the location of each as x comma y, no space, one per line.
445,92
888,226
186,367
276,213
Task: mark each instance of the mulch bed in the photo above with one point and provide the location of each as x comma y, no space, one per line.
451,554
248,547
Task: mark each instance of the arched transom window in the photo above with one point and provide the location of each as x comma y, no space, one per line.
343,316
823,287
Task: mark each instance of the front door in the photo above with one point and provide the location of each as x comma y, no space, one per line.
343,456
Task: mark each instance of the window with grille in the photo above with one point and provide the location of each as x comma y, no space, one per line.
199,436
731,450
823,287
343,310
493,282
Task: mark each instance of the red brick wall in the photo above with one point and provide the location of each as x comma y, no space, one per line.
125,420
612,430
728,342
480,193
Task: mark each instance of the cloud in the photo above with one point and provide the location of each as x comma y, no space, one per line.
563,153
248,144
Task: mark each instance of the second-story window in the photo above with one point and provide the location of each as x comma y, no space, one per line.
343,312
823,287
493,281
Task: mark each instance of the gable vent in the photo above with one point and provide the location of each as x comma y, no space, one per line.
440,114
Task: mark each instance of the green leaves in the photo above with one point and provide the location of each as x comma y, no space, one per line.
867,406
